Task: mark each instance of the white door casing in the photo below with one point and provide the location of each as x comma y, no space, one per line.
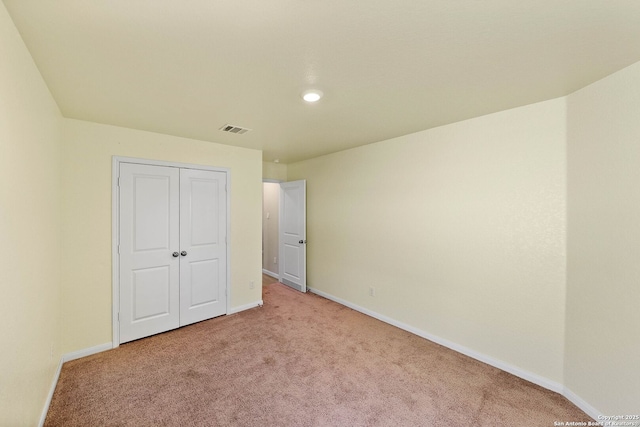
161,209
293,240
203,235
149,234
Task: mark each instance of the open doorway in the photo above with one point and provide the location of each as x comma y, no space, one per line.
284,233
270,239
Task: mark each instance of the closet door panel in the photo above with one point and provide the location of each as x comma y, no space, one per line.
149,235
203,234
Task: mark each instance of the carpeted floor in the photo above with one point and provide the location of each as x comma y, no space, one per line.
268,280
300,360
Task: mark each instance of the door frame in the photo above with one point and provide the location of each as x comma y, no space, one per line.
265,271
115,231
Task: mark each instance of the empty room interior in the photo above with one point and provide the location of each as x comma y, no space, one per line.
471,171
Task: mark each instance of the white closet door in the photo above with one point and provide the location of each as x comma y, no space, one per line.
149,242
203,234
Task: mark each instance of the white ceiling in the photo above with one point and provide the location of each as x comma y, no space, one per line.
386,67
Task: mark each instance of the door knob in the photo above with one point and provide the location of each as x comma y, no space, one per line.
302,241
175,254
183,253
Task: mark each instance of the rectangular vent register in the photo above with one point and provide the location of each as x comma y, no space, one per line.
234,129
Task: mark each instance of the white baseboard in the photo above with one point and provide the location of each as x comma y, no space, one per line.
87,352
271,273
47,402
582,404
529,376
249,306
65,358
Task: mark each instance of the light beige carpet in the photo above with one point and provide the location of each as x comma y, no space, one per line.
268,280
301,360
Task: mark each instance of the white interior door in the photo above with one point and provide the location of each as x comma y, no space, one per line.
148,245
203,234
293,240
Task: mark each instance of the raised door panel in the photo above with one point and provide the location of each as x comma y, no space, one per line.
292,264
203,232
151,293
149,234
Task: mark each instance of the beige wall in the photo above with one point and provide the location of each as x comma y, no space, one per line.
30,249
460,230
603,293
88,150
276,171
270,218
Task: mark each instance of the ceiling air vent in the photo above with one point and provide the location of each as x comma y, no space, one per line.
234,129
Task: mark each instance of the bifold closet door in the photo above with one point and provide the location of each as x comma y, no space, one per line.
148,244
203,235
172,248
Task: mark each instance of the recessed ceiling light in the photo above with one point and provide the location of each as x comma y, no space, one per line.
312,95
276,161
